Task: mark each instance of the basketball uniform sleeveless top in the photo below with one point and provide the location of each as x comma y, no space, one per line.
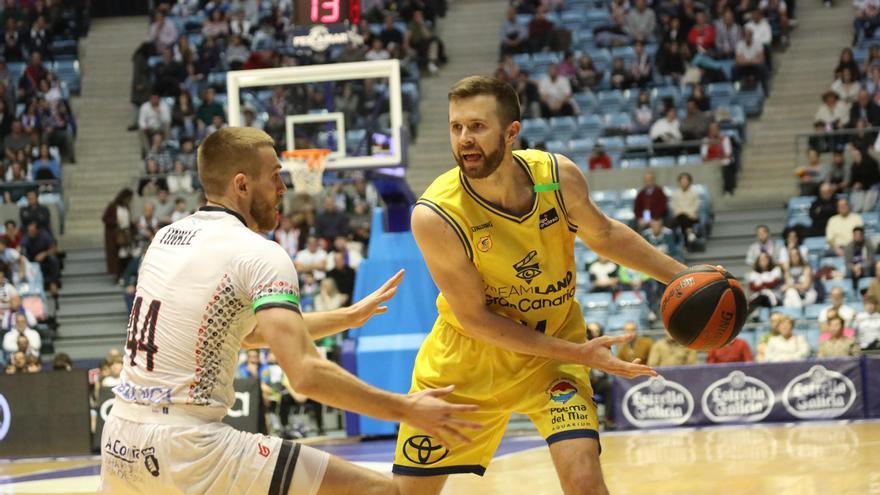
527,261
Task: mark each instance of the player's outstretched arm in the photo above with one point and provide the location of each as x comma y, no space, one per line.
322,324
608,237
326,382
462,286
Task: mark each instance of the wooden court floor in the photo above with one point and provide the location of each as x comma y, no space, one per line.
828,458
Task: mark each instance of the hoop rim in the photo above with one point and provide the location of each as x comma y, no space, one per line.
307,153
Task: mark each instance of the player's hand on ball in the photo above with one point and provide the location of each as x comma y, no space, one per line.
361,311
427,412
596,353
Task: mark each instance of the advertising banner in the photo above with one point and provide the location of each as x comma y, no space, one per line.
743,393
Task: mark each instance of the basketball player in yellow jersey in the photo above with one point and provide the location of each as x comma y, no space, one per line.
498,234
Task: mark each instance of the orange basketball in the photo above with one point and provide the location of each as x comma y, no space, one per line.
704,308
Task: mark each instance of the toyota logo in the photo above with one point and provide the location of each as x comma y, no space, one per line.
421,449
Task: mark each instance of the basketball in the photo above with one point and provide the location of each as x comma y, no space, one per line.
704,308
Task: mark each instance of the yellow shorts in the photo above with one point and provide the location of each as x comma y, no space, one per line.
557,397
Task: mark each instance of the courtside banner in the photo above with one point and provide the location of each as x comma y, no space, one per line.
742,393
872,386
44,414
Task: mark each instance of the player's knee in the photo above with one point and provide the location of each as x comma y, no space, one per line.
585,482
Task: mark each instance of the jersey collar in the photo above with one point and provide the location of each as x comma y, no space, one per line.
224,210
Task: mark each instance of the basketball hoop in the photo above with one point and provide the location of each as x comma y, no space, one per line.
306,168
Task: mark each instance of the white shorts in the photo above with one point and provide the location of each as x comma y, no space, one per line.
207,458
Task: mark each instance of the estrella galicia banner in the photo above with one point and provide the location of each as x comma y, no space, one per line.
44,414
872,386
244,414
743,393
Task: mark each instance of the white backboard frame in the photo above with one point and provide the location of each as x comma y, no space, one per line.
383,69
337,117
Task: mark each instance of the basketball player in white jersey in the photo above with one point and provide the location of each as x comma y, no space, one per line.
209,285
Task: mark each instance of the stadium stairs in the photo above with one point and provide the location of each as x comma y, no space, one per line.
106,152
470,33
767,179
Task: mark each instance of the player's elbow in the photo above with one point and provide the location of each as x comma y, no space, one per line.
305,377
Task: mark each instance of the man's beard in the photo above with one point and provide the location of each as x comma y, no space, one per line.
491,162
264,213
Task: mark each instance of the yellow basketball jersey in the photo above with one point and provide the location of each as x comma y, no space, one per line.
527,262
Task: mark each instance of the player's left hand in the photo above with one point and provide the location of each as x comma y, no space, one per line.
361,311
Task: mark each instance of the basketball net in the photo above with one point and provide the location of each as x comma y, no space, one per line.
306,168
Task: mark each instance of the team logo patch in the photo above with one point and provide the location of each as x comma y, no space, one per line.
548,218
484,244
421,449
527,268
562,391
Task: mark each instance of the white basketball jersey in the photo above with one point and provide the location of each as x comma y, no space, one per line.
201,282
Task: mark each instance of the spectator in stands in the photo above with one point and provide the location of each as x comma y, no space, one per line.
811,175
695,125
603,275
180,180
59,130
22,330
16,141
839,231
343,275
153,179
163,207
727,35
637,348
13,234
13,43
163,33
62,362
643,115
555,94
588,75
859,256
685,206
667,131
180,210
750,62
822,209
45,167
864,108
838,306
838,345
39,246
833,112
217,123
737,351
377,51
599,160
866,324
641,22
798,291
352,256
19,268
641,68
668,352
864,178
650,203
670,60
428,47
35,212
514,36
29,83
154,117
209,108
620,76
662,238
331,222
183,115
701,36
846,87
237,52
287,235
838,173
764,244
312,259
168,75
216,26
329,298
787,346
764,282
718,148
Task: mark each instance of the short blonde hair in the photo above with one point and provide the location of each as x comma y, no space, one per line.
228,152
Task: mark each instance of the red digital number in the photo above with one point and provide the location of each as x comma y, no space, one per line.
325,11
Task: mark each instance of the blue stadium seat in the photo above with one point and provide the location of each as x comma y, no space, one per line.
621,121
811,312
690,159
598,300
720,90
864,283
545,57
614,324
812,336
630,299
800,204
662,161
586,101
799,219
610,143
601,58
815,244
611,101
871,219
634,163
582,145
610,197
660,93
590,123
628,195
535,129
795,313
845,284
752,101
563,127
557,146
